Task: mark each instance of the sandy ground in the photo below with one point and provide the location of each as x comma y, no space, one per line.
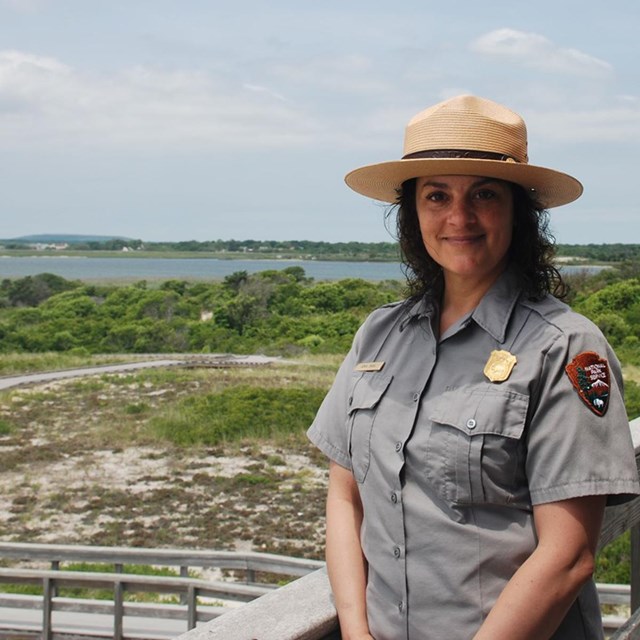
62,481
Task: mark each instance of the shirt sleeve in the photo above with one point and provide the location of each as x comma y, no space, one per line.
573,451
329,430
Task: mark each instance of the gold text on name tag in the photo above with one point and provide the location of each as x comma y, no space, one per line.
369,366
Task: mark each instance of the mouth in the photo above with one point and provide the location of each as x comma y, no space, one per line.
463,240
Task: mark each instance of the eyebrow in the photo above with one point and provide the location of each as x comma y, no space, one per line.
445,185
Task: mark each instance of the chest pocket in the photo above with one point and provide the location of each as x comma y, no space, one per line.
364,399
475,451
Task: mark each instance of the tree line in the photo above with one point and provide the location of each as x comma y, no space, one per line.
360,251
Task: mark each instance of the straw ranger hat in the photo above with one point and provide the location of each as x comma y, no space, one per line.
466,135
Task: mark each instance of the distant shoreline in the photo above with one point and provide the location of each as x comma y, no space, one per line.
562,260
185,255
126,269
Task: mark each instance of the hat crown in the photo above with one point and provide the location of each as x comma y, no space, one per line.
468,123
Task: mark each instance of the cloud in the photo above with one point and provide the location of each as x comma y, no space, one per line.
538,52
618,123
23,6
44,100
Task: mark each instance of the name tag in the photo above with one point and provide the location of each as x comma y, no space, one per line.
369,366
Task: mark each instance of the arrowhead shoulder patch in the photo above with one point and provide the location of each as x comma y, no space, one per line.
589,374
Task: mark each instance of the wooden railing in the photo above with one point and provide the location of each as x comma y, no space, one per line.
304,610
248,562
189,589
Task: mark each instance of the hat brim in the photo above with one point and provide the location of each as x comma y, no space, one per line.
383,180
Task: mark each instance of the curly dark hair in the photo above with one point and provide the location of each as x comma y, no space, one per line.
531,250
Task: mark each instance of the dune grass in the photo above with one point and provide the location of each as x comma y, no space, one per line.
240,413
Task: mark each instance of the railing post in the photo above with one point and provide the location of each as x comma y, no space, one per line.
46,608
184,573
55,566
192,604
118,610
635,568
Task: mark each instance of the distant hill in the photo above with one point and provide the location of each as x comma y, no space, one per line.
57,238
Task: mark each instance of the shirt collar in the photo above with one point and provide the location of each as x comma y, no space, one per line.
495,309
492,313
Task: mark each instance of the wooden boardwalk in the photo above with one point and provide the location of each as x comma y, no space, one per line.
49,616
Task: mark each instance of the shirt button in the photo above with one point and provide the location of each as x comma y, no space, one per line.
471,423
394,497
398,446
416,397
350,400
400,606
396,552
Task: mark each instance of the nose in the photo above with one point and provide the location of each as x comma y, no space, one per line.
462,212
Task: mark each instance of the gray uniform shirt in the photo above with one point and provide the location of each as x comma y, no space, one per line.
449,464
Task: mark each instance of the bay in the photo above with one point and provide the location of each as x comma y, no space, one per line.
133,269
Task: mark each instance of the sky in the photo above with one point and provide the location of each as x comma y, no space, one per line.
200,119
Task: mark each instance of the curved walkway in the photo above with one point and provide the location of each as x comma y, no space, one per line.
209,360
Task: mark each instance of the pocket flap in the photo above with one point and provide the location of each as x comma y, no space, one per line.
482,411
367,391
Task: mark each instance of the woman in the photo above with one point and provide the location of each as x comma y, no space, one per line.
476,430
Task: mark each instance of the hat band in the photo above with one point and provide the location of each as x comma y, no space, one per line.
460,153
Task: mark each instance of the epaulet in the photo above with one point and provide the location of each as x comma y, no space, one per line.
387,313
560,315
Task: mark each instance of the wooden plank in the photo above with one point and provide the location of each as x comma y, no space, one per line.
630,630
184,573
635,568
105,607
118,610
192,608
301,610
268,562
618,594
46,608
136,583
619,519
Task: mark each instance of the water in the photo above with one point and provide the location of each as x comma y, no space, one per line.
132,269
128,269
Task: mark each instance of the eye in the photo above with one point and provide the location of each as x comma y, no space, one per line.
485,194
436,196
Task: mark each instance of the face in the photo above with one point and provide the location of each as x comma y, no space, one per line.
466,224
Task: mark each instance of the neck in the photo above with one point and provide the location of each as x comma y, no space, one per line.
460,296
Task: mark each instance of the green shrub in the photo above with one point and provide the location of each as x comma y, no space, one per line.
613,564
5,427
136,408
238,413
632,399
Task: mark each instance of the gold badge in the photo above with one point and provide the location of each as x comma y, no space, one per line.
369,366
499,366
